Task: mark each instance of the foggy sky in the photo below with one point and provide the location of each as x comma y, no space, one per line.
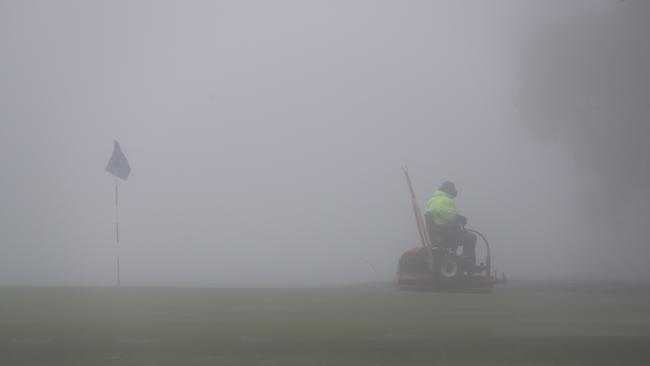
586,86
266,140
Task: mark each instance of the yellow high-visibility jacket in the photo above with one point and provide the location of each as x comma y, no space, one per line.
442,208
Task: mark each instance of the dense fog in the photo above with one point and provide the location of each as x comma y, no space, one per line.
267,138
586,86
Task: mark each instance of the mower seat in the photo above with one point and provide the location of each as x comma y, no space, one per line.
438,234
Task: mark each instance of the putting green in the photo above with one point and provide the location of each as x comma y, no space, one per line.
524,323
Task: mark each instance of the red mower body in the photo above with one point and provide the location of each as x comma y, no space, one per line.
441,269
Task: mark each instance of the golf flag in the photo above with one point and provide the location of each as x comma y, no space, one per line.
118,165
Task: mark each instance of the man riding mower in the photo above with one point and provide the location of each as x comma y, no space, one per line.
436,264
446,228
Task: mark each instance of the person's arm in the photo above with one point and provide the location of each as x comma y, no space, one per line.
451,215
461,220
447,213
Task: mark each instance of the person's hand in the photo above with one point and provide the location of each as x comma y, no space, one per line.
462,220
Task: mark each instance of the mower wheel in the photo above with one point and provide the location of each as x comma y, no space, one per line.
448,268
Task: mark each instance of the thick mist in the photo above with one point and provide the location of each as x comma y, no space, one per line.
586,86
266,138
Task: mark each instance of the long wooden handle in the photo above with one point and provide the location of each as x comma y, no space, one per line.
424,235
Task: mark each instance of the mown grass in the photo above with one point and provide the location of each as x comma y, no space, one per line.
524,323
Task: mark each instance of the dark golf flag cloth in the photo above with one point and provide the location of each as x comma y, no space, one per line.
118,165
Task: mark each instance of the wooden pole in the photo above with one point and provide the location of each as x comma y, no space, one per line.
424,235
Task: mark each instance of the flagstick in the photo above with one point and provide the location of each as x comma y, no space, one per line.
117,233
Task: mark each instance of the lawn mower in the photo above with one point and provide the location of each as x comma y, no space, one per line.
436,264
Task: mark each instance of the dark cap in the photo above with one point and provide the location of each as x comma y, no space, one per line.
449,187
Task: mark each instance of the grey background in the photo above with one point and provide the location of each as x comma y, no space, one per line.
266,139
